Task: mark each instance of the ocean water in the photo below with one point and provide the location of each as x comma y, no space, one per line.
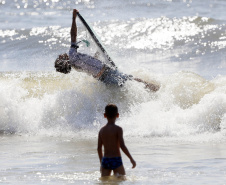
49,121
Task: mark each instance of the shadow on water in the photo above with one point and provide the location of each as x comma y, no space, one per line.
6,132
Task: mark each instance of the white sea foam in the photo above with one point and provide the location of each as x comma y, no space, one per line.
53,104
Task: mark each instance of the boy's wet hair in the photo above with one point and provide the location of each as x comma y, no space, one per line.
111,111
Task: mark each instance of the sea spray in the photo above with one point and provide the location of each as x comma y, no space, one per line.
57,104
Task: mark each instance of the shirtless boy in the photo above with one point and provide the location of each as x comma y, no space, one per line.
111,137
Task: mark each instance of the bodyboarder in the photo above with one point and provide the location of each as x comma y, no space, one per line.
91,65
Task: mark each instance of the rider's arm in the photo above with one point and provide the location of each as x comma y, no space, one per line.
74,27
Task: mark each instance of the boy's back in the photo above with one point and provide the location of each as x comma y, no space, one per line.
110,137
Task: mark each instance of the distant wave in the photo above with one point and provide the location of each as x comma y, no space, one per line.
198,40
148,29
149,34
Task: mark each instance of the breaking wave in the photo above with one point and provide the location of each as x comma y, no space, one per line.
55,104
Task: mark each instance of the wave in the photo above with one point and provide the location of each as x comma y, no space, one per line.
195,44
48,103
142,33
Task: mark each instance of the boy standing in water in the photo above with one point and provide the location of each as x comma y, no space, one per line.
111,136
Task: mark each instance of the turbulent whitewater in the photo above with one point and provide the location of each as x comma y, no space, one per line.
49,121
53,103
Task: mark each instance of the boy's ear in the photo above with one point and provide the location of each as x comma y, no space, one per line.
105,115
117,115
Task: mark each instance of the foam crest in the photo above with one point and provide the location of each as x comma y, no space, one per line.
187,106
72,105
50,102
160,33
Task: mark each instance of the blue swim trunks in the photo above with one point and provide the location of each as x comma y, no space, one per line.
111,163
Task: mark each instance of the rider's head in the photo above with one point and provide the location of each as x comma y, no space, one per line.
62,64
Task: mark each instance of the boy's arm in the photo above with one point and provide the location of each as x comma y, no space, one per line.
74,27
99,148
124,148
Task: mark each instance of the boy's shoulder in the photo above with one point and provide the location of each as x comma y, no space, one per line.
115,126
118,127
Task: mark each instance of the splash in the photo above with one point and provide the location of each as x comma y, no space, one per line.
57,104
